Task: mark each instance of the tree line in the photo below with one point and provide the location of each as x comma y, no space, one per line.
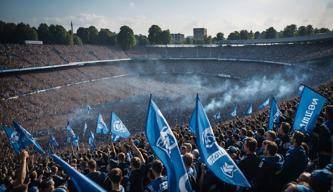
126,39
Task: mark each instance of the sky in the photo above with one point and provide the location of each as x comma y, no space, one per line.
179,16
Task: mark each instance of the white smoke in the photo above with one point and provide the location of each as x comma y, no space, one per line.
256,88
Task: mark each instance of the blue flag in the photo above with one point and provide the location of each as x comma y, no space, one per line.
53,142
249,110
91,140
75,141
264,104
165,146
215,157
101,127
70,135
308,110
89,109
274,116
217,116
20,138
234,112
118,129
85,128
192,123
81,182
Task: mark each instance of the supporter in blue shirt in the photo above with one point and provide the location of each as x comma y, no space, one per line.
159,182
270,163
295,160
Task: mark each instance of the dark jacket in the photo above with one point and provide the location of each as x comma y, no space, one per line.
266,178
295,163
249,166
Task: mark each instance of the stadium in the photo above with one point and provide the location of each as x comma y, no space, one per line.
195,116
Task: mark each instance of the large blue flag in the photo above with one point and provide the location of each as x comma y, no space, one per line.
101,127
249,110
234,112
165,146
274,116
81,182
264,104
21,138
215,157
118,129
91,140
308,110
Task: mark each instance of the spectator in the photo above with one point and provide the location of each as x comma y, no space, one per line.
295,160
250,161
159,182
266,178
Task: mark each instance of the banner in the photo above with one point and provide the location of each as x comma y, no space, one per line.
274,116
308,110
214,156
118,129
165,146
101,127
20,138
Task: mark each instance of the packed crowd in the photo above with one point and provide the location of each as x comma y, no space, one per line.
20,56
282,53
275,160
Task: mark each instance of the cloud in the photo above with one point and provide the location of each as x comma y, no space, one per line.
139,24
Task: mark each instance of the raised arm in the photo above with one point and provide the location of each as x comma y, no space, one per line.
137,151
23,167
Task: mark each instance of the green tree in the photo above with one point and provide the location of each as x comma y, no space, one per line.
244,35
322,30
25,32
257,35
188,40
125,38
234,36
83,33
251,35
301,31
309,30
165,37
219,37
290,30
154,34
59,35
44,33
208,40
270,33
93,35
141,40
77,40
106,37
